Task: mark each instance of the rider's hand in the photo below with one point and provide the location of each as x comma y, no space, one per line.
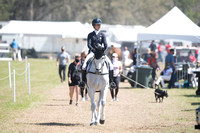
93,50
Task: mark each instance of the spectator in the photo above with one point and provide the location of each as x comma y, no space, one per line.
152,46
74,78
153,63
63,59
170,59
134,57
83,56
117,67
192,58
168,46
15,47
166,76
125,55
147,55
197,53
160,52
111,51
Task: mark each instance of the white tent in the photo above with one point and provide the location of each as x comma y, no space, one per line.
46,36
174,25
38,28
126,33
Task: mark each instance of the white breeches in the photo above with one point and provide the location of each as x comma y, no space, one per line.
162,79
90,55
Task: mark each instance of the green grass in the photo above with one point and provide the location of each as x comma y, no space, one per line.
44,76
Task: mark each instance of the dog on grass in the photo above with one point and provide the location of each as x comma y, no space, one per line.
160,94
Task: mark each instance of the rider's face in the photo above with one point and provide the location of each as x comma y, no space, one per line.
97,26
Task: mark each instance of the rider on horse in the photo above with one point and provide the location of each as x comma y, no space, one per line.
96,41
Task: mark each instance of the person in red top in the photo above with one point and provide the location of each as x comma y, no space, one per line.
167,48
160,52
152,60
192,58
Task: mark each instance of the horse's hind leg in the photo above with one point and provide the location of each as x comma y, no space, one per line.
103,102
93,106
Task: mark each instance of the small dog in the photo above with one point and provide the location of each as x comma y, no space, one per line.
160,94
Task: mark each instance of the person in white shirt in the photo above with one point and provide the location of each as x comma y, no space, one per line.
125,55
167,72
116,75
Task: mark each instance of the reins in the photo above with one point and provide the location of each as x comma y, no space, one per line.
97,73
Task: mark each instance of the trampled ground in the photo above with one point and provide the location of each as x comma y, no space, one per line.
136,111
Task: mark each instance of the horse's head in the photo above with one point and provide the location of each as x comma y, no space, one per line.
99,59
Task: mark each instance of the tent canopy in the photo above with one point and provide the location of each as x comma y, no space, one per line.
174,25
126,33
63,29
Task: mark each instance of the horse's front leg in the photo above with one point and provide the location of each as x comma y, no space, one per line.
93,106
103,103
99,108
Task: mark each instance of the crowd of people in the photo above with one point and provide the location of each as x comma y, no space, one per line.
96,42
77,69
75,75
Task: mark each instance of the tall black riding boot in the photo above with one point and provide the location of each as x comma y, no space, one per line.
112,84
82,83
83,75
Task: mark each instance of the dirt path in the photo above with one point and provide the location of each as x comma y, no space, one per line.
136,111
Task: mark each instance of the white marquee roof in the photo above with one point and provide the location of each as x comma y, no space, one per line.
63,29
126,33
174,25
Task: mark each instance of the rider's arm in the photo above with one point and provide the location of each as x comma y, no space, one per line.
89,42
104,41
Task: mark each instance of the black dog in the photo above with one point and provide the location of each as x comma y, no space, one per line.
160,94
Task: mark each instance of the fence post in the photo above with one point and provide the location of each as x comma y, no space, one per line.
29,80
25,69
14,99
9,72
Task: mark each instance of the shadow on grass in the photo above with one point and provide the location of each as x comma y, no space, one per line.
54,104
188,110
191,95
196,103
57,124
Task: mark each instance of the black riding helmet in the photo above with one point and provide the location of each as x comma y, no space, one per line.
96,21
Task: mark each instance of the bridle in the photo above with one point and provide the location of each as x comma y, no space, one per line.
98,71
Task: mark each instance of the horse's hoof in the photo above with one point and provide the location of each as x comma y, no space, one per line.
92,124
96,123
102,121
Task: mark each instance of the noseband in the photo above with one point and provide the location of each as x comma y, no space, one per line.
98,71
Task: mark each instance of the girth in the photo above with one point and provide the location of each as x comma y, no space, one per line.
99,73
